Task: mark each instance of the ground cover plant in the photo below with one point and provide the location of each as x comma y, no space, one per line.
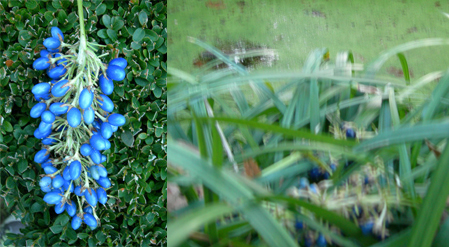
130,39
332,155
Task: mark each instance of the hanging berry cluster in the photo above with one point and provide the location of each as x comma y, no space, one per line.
76,123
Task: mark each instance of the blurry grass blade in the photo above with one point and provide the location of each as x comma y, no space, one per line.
404,161
404,66
429,214
182,75
406,134
397,240
414,89
442,238
180,229
325,231
377,64
225,184
285,131
287,161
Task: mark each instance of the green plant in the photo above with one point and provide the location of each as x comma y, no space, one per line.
357,138
136,161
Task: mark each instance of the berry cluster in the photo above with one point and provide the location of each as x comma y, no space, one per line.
76,123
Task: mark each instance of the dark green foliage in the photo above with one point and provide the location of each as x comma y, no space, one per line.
136,30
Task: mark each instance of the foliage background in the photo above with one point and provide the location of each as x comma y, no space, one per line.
136,161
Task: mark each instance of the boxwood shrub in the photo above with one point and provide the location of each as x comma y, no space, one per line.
135,30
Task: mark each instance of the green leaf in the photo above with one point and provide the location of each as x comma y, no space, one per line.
117,24
31,4
112,34
106,21
128,138
138,34
143,18
22,166
101,9
7,126
102,34
10,183
152,35
62,16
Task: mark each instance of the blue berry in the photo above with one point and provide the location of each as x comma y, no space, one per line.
350,133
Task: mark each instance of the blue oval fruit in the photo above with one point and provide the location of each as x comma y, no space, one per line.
350,133
48,141
50,169
41,63
75,169
108,144
59,208
41,135
41,88
41,156
52,43
44,127
61,61
76,222
91,196
57,33
58,109
96,156
116,119
74,117
53,50
102,171
48,117
58,181
119,62
86,98
48,163
115,73
94,172
46,188
52,197
37,110
106,103
85,149
97,142
102,196
60,89
45,181
70,208
66,173
78,191
57,72
89,115
103,158
321,241
106,130
106,85
96,125
367,228
90,220
88,210
44,53
104,182
114,128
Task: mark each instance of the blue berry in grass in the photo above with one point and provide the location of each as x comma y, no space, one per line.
78,191
48,141
313,188
299,225
115,73
106,103
314,174
44,53
367,228
106,85
60,88
350,133
116,119
308,241
86,149
48,117
46,188
102,196
57,72
41,156
86,98
41,88
303,183
333,167
58,109
321,241
94,172
102,171
74,117
104,182
75,169
96,156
